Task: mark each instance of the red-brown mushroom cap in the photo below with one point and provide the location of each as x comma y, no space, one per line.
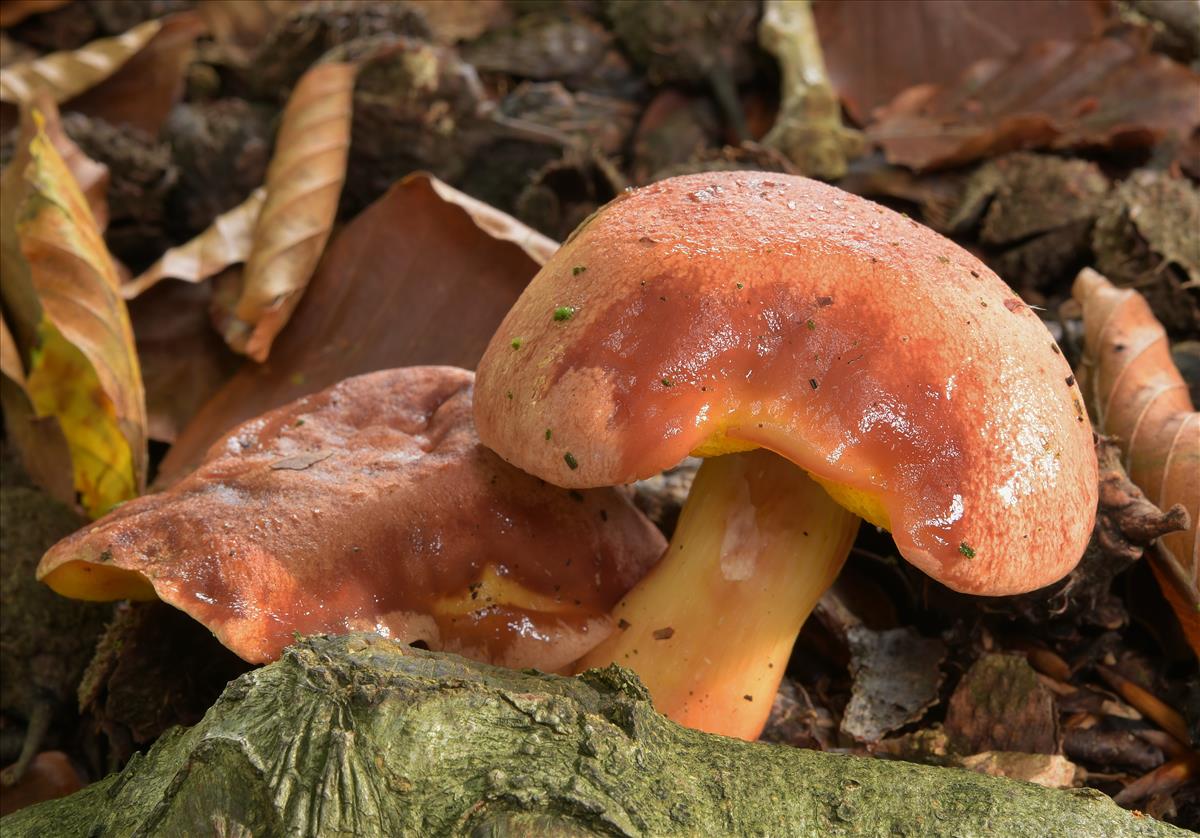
723,311
371,506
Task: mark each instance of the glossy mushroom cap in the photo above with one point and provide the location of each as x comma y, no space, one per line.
719,312
371,506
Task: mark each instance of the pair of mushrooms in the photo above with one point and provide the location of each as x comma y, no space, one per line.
831,359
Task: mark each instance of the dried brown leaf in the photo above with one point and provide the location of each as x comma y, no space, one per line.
1000,705
303,184
226,242
1137,394
67,74
499,225
326,514
239,26
1050,770
874,49
462,20
1052,94
896,678
142,92
414,279
183,359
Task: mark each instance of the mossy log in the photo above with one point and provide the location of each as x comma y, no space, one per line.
361,736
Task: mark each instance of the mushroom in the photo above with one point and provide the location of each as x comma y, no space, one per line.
719,313
371,506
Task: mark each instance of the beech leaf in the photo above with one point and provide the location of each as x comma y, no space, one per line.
183,359
345,511
226,242
875,49
1051,94
141,93
1137,394
240,26
422,276
61,288
67,74
304,181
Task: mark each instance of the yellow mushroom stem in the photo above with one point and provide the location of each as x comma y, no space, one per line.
710,628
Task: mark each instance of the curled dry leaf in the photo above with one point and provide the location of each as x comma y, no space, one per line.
239,26
1052,94
226,242
1137,395
499,225
67,74
344,511
422,276
462,20
304,181
142,92
70,323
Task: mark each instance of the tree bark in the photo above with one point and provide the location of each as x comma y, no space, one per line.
361,736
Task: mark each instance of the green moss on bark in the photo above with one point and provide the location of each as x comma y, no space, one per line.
362,736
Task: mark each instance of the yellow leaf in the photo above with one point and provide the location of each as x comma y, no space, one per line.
63,384
69,321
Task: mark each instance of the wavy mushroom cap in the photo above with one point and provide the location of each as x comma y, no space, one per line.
719,312
371,506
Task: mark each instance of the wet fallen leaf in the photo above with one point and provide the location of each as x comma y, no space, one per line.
227,242
1137,394
13,12
414,279
303,184
896,678
1052,94
70,324
874,49
142,92
67,74
343,511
